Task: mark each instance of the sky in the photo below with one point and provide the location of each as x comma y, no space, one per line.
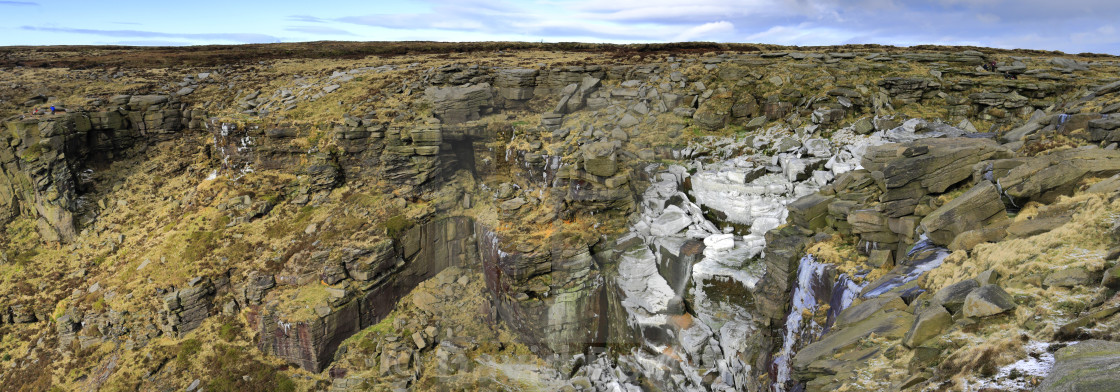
1071,26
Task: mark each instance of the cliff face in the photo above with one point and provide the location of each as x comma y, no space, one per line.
737,221
44,159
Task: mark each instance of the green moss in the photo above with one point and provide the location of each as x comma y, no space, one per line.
396,226
229,331
187,350
33,152
198,245
272,199
283,227
24,258
230,364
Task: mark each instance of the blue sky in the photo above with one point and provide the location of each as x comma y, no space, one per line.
1071,26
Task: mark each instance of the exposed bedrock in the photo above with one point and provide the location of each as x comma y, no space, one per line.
42,159
377,278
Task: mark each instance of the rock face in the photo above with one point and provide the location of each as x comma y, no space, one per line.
454,105
421,253
40,159
976,208
1045,177
1092,365
888,324
187,308
516,84
931,164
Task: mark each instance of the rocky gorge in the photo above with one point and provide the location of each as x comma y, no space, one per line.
607,218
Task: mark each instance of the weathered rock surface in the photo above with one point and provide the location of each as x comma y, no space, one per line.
454,105
986,301
1045,177
930,322
888,324
1092,365
978,207
952,297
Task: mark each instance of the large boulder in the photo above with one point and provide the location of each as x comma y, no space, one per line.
934,164
986,301
454,105
890,324
1045,177
599,159
952,296
144,102
516,84
930,322
1092,365
869,307
976,208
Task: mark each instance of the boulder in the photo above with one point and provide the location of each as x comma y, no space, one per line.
810,211
1074,329
671,222
880,258
869,307
892,325
970,239
1111,278
143,102
952,296
976,208
516,84
863,126
932,321
1019,133
1032,227
935,164
1069,277
367,263
512,204
988,277
1092,365
1043,178
986,301
599,159
454,105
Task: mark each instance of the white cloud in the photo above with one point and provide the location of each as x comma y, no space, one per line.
1038,24
707,30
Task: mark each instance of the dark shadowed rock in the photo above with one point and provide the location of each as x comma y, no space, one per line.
952,297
